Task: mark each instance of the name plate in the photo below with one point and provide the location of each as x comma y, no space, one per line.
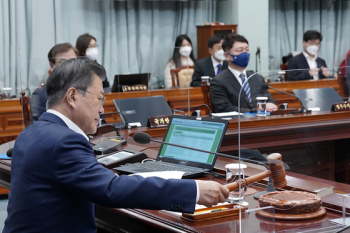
339,107
159,121
134,88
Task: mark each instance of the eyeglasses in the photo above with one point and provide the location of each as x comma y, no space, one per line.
101,99
92,46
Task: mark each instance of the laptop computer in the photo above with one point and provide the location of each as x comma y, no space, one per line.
130,79
138,110
202,133
322,98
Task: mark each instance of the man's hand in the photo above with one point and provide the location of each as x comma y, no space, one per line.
211,193
313,71
325,72
270,107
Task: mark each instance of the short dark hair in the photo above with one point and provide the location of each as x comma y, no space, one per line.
312,35
77,73
230,39
214,40
176,58
59,48
83,42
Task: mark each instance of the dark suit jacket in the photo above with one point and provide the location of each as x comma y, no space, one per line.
300,62
38,105
224,92
204,67
56,181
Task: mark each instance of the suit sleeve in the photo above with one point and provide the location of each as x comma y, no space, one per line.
220,98
294,74
37,106
196,77
267,93
78,172
322,63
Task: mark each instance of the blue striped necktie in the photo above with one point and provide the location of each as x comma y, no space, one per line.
246,87
219,71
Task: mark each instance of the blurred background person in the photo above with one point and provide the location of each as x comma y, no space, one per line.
87,46
182,56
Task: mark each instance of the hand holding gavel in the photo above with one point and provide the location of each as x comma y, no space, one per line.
276,172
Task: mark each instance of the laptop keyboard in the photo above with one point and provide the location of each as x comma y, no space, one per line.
161,166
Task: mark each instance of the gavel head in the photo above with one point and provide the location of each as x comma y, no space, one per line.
278,174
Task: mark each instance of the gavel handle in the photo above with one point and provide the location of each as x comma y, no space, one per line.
247,181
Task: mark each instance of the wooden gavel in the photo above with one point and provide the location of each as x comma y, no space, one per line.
276,172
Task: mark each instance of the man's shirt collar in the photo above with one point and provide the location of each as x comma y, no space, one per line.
68,122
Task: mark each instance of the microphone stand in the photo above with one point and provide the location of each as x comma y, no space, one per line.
269,187
303,108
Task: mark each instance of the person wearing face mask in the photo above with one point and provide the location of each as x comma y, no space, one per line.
182,56
308,65
212,65
225,87
87,47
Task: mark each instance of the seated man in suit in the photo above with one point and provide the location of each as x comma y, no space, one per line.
212,65
314,67
55,177
225,87
58,54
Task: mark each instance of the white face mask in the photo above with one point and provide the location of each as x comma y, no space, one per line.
312,49
185,51
219,55
92,53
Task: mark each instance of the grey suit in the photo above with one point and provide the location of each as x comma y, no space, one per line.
224,92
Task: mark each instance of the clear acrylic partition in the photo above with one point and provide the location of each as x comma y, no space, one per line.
252,215
312,140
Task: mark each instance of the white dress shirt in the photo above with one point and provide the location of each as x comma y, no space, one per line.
237,74
215,64
312,63
68,122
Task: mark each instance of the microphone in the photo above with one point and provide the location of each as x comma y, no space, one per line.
258,51
144,138
257,57
303,108
9,152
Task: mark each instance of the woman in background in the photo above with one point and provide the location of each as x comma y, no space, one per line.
87,47
182,56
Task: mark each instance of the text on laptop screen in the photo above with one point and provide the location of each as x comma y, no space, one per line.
203,135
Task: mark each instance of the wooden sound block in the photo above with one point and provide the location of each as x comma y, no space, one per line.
316,214
249,191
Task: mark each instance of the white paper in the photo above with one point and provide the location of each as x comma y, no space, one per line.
137,124
162,174
315,109
223,114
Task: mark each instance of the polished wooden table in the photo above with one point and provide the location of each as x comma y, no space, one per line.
136,220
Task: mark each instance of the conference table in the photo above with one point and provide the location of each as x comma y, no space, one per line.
323,136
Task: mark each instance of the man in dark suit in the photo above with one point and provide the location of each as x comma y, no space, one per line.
58,54
55,178
307,65
225,87
212,65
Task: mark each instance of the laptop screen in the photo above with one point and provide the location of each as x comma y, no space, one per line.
205,134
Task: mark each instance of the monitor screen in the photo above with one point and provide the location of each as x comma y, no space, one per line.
205,135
